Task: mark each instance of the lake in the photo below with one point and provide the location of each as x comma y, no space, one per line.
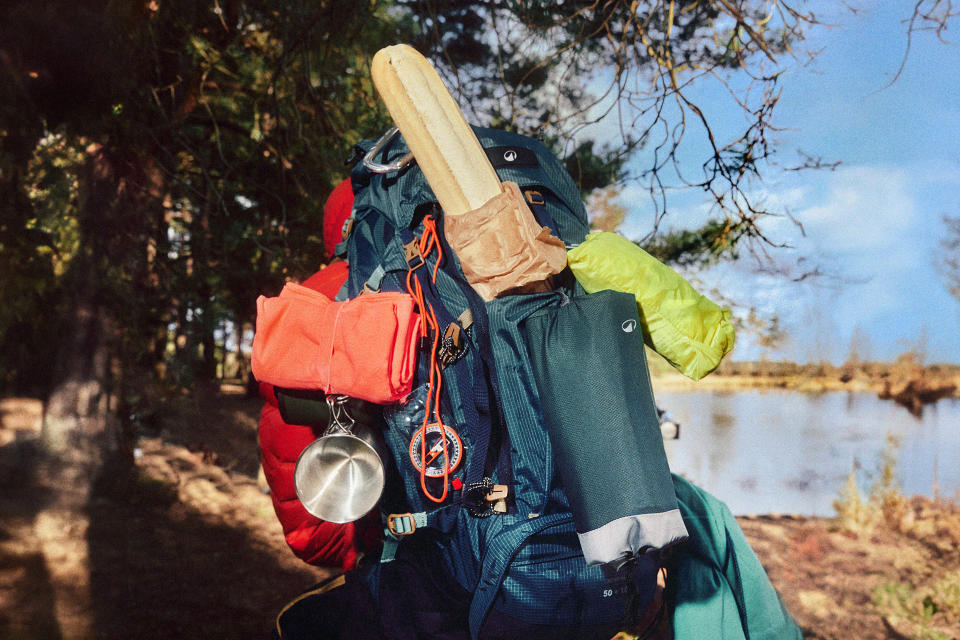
774,451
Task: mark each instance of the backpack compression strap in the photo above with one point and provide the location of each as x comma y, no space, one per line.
474,398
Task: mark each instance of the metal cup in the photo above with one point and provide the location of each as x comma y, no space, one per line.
339,477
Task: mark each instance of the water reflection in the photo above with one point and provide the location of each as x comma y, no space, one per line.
721,432
789,452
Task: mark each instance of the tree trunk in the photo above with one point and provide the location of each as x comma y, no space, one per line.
76,422
80,433
208,339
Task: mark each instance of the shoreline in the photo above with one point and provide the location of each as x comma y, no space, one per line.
905,382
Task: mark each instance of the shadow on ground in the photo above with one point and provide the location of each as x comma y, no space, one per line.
26,595
162,570
178,545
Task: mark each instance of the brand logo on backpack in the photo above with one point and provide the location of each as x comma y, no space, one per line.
510,155
629,326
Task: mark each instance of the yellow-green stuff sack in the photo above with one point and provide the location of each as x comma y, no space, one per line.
690,331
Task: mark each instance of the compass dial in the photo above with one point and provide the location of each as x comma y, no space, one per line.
434,449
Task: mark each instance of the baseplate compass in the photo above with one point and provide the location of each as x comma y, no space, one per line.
434,449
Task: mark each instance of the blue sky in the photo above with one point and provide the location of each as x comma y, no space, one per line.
874,223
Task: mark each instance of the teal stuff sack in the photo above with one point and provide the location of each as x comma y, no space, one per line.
591,373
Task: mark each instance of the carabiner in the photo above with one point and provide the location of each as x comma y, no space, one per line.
378,167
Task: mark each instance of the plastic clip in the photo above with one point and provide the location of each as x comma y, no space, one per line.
452,346
401,524
411,252
483,499
534,197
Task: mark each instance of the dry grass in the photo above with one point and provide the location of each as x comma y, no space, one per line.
189,547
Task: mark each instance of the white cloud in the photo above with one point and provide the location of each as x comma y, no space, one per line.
864,210
870,228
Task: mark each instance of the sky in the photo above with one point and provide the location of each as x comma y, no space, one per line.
873,225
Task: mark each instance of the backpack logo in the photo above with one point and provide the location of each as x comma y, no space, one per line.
629,326
510,155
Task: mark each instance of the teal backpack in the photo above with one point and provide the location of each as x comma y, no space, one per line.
519,555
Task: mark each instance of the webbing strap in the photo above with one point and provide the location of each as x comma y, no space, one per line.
375,279
389,551
483,367
497,558
403,524
473,392
538,207
344,293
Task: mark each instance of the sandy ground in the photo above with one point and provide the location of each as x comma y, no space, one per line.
187,546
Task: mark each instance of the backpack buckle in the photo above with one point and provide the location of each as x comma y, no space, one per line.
401,524
534,197
411,252
452,346
483,499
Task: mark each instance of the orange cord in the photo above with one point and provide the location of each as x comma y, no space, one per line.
429,240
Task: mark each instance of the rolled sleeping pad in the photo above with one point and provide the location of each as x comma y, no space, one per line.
594,386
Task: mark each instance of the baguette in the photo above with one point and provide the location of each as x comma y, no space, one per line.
446,148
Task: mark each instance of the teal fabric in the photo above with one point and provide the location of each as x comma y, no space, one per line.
588,361
717,587
399,194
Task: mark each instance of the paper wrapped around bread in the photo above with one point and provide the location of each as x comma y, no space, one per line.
502,248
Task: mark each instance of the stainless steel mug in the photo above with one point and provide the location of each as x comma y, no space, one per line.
339,477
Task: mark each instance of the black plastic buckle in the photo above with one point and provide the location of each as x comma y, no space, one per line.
483,499
452,346
475,498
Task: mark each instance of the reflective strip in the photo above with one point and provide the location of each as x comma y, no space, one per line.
632,535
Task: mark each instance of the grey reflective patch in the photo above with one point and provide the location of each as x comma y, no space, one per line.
629,535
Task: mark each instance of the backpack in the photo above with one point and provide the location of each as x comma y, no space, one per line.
519,553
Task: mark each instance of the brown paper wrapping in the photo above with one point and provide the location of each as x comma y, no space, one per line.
502,248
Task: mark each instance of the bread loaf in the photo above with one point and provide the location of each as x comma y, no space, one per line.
446,148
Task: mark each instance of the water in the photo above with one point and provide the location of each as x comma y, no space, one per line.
788,452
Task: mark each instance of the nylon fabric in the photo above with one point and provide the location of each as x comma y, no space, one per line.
388,211
530,444
303,338
595,393
521,571
680,324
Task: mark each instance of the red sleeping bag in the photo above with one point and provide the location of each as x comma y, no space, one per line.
311,539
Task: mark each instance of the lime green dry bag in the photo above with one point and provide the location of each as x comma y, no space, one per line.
684,327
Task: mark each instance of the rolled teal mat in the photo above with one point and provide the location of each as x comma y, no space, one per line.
594,386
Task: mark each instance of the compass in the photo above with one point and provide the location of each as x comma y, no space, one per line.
434,457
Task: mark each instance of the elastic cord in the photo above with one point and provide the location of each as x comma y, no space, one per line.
428,241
